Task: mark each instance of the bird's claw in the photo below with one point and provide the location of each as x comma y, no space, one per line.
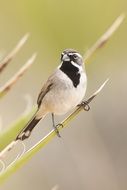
85,105
56,129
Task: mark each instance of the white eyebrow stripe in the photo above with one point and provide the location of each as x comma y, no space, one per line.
75,54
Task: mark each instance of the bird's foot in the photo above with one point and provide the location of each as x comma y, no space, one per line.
85,105
56,129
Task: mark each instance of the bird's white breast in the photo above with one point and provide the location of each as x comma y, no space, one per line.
64,96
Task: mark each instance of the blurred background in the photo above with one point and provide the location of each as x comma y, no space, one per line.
92,153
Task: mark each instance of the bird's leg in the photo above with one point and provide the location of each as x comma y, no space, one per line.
85,105
55,126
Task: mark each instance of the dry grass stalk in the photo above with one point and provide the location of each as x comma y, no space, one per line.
12,54
104,38
15,78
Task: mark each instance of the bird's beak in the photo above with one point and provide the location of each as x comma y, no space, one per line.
65,58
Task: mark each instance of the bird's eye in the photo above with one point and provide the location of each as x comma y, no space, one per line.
75,56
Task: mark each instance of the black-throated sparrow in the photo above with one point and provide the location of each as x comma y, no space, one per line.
63,91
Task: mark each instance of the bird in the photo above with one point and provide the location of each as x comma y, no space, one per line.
63,91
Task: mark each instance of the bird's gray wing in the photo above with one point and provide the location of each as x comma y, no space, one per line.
48,85
45,89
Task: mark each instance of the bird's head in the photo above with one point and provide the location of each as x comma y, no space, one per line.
70,55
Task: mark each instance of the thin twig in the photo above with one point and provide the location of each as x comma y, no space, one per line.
15,78
12,54
97,92
105,37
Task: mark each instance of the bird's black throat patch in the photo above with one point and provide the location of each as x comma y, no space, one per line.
71,71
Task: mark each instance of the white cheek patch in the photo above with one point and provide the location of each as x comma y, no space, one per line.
76,65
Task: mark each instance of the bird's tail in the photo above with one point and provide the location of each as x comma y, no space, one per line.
25,133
